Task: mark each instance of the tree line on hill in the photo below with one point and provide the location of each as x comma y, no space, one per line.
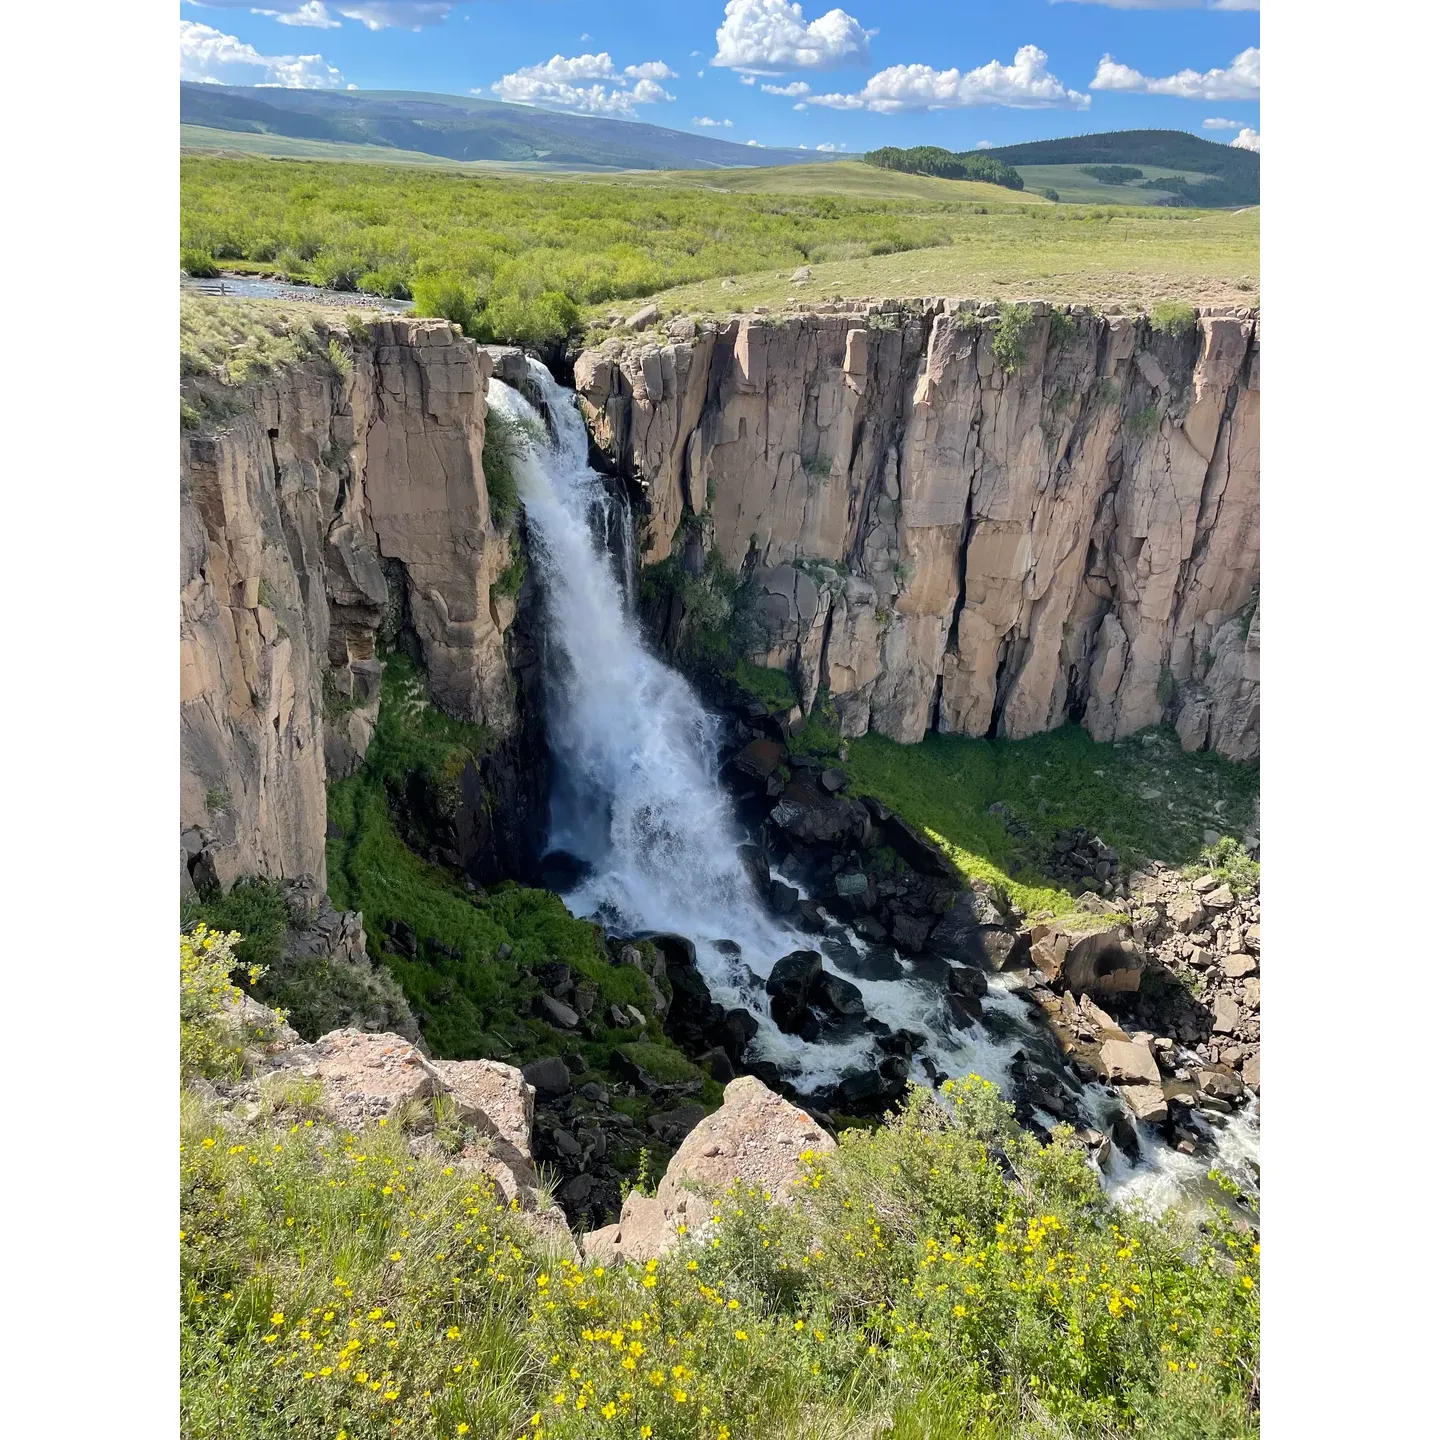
945,164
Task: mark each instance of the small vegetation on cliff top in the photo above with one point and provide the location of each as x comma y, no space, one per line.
944,1274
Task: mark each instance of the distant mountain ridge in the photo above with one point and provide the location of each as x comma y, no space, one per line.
457,127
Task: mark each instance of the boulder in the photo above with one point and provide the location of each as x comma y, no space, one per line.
496,1099
550,1075
910,932
1146,1102
967,981
1250,993
754,1141
1126,1063
1186,912
1239,965
557,1012
1251,1071
1220,898
757,869
1226,1015
644,317
1088,955
839,997
366,1077
789,988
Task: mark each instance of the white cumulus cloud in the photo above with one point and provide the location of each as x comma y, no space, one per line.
1219,123
1247,139
831,148
312,13
1240,80
755,143
984,144
771,35
207,53
1025,85
709,124
796,87
652,70
555,84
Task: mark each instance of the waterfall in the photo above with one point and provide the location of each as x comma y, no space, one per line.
637,798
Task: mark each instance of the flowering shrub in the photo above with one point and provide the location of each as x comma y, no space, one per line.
213,1033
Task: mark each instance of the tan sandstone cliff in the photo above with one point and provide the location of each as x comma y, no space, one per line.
943,542
292,511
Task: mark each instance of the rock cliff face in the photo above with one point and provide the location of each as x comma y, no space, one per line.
948,537
334,500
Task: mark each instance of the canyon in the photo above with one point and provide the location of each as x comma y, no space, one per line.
985,521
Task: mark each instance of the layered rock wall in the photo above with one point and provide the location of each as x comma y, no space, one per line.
330,500
946,541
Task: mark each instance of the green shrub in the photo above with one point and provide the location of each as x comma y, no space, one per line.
512,577
214,1034
1051,194
449,296
774,687
1173,317
1231,861
1010,338
388,280
505,441
255,908
199,264
338,271
1146,421
549,318
339,357
1063,329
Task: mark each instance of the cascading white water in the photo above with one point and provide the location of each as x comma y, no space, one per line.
637,797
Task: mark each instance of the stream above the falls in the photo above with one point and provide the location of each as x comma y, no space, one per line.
638,800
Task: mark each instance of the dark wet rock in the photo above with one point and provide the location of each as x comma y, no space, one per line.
757,761
1122,1132
873,963
561,871
595,1092
789,988
910,932
549,1075
728,947
735,1030
718,1063
869,928
675,949
809,918
783,898
837,996
403,936
672,1126
756,867
963,1011
805,813
555,977
966,980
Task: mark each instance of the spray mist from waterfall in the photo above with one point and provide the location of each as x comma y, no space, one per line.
637,798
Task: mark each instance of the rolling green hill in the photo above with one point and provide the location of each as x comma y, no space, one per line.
1075,187
458,128
1210,175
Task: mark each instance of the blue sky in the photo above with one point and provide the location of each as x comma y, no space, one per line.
957,73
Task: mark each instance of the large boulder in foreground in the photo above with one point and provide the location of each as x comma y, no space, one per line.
754,1141
367,1077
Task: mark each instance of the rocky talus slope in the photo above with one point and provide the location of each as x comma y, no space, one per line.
337,499
963,519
